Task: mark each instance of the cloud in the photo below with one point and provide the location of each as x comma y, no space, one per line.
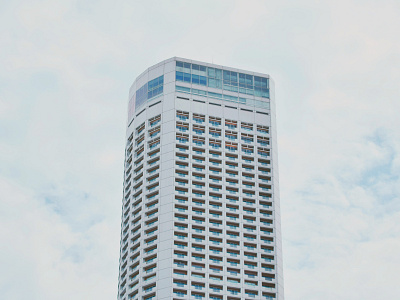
50,258
66,70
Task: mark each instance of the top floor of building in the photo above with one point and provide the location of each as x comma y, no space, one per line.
205,79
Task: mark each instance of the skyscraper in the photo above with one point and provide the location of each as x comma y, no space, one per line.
200,212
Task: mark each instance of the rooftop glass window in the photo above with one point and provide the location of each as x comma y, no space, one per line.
199,92
215,73
180,76
184,67
230,81
222,79
199,70
197,79
214,78
261,87
155,87
149,90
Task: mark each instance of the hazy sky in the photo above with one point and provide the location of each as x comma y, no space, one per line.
65,71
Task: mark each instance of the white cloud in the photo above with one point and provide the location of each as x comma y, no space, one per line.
66,70
47,256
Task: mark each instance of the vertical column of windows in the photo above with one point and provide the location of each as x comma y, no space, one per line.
135,234
180,270
144,210
214,208
242,215
126,209
132,163
266,216
151,204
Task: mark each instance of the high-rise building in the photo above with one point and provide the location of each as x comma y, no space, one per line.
200,211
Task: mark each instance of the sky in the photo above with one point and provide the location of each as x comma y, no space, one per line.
66,68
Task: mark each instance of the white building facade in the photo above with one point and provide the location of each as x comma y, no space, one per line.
200,212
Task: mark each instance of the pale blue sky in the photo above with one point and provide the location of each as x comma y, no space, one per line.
66,67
